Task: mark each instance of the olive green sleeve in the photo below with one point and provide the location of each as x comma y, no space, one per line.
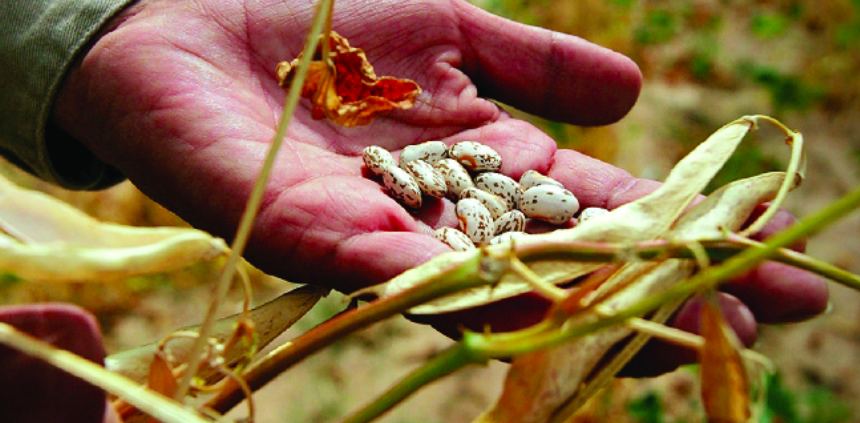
39,40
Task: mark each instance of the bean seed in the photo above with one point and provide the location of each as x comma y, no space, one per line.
455,175
402,186
501,185
454,239
428,179
591,212
475,220
475,156
512,221
507,236
377,158
430,151
495,205
533,178
549,203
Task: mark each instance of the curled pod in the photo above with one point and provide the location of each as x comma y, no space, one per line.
512,221
475,220
454,239
505,237
591,212
495,204
377,158
549,203
428,179
502,185
533,178
475,156
430,151
402,186
455,175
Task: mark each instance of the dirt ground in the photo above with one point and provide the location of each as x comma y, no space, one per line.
697,78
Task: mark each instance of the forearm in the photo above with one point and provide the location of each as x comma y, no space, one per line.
39,42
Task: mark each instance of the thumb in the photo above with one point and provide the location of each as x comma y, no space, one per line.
547,73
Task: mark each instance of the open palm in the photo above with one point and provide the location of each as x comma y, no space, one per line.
182,97
192,103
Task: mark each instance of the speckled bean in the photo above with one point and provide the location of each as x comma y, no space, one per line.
430,151
512,221
455,175
454,239
533,178
428,179
475,156
495,204
591,212
377,158
501,185
549,203
475,220
402,186
507,236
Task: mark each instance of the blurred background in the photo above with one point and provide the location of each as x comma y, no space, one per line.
705,63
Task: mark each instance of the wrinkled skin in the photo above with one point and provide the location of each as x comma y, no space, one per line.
182,97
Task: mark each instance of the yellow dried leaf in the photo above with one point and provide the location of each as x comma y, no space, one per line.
725,384
345,89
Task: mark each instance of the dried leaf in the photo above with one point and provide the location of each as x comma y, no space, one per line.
270,320
345,88
52,241
725,384
160,378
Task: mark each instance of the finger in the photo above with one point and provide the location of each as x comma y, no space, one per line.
777,293
596,183
554,75
43,393
375,257
658,356
781,220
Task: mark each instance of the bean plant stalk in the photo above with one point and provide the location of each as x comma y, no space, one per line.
476,348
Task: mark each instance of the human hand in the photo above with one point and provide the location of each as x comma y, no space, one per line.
34,390
182,97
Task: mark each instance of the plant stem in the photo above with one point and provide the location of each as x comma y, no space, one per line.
252,206
445,363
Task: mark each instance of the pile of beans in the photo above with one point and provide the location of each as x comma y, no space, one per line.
491,207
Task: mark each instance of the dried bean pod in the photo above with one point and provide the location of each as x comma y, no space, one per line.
402,186
454,239
495,204
428,179
475,220
430,151
501,185
377,158
591,212
533,178
512,221
475,156
549,203
455,175
507,236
